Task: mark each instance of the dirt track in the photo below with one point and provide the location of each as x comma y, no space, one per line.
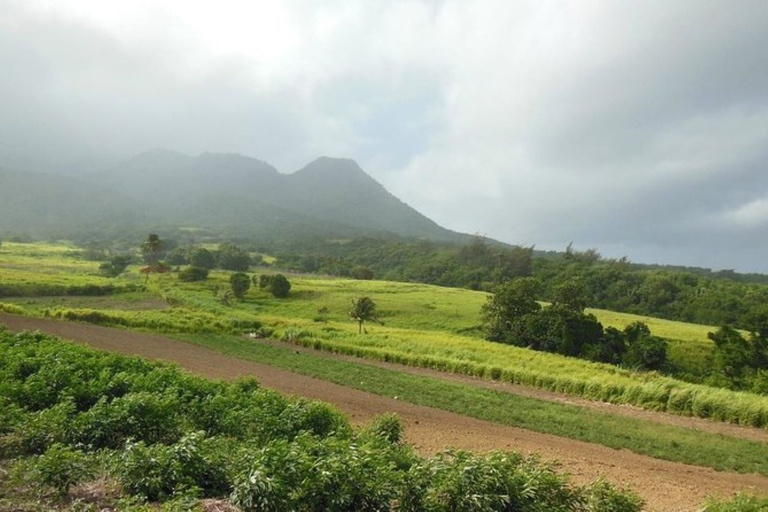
666,486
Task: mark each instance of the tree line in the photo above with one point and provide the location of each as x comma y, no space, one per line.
615,284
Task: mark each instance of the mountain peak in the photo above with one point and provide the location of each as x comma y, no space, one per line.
328,165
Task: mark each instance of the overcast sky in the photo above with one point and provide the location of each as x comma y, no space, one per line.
639,128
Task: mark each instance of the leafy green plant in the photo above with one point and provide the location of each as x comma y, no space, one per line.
60,467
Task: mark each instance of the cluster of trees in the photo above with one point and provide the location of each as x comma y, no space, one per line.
227,257
512,315
672,294
739,362
477,265
690,295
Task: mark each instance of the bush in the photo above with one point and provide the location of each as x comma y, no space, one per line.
387,427
158,472
60,467
279,286
191,274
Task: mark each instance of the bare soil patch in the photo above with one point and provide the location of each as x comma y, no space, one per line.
666,486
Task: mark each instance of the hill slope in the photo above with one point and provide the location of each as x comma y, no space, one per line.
47,204
329,197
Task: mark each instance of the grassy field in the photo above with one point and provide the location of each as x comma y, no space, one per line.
425,326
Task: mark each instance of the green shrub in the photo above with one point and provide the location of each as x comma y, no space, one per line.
388,427
158,472
279,286
264,281
601,496
191,274
60,467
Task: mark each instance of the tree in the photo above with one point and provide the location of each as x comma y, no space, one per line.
240,283
644,350
115,266
511,302
364,310
152,249
279,286
191,274
202,258
264,281
734,357
570,295
232,257
177,256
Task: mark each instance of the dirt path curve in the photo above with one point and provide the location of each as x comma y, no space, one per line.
666,486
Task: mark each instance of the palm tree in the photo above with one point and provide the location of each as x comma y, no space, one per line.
364,310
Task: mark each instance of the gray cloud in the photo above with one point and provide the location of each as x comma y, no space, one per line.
641,129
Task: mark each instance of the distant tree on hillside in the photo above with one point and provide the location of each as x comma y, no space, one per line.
191,274
241,283
279,286
202,258
506,308
177,256
363,310
152,249
115,266
232,257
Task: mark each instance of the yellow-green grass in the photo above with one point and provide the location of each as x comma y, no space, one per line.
427,337
51,264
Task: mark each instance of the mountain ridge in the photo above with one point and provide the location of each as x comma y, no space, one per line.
333,196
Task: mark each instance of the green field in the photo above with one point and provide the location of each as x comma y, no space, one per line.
424,325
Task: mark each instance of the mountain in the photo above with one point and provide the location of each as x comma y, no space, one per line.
329,197
44,204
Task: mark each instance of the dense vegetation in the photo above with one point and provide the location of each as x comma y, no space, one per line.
513,316
679,294
72,415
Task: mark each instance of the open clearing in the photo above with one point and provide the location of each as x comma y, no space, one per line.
666,486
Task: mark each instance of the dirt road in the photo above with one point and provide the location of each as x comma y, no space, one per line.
666,486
